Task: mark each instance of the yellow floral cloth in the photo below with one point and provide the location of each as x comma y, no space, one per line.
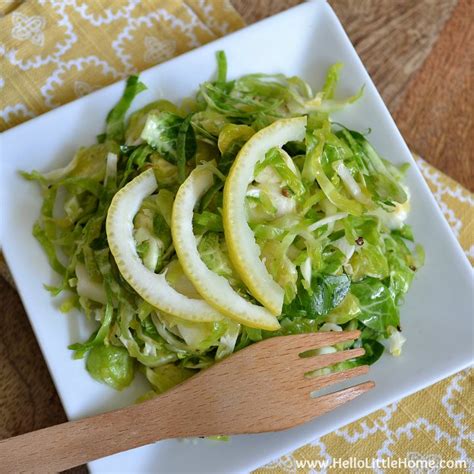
52,52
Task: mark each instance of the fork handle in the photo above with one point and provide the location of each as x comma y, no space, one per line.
70,444
211,402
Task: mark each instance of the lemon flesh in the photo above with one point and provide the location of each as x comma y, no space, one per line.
152,287
243,249
214,288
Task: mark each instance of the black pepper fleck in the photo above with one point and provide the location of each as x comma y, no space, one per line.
360,241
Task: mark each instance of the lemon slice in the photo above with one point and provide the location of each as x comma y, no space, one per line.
152,287
243,250
214,288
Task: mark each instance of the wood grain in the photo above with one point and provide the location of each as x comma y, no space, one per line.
271,393
255,10
393,37
28,399
417,52
435,111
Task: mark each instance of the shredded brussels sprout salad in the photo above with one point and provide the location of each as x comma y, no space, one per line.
190,231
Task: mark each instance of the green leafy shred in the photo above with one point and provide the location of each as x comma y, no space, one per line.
115,122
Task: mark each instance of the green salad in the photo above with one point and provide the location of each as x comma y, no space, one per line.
189,231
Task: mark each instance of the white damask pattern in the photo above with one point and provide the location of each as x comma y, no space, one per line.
54,51
107,17
441,191
361,430
185,28
60,74
217,25
157,50
17,109
82,88
28,28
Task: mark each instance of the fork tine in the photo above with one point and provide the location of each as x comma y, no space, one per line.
325,403
315,340
318,382
325,360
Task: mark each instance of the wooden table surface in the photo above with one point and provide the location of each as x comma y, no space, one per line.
418,56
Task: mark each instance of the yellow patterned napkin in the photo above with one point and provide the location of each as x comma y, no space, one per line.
56,51
53,52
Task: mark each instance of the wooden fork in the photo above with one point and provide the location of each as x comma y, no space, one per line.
261,388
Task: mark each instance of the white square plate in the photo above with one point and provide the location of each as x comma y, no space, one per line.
436,317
